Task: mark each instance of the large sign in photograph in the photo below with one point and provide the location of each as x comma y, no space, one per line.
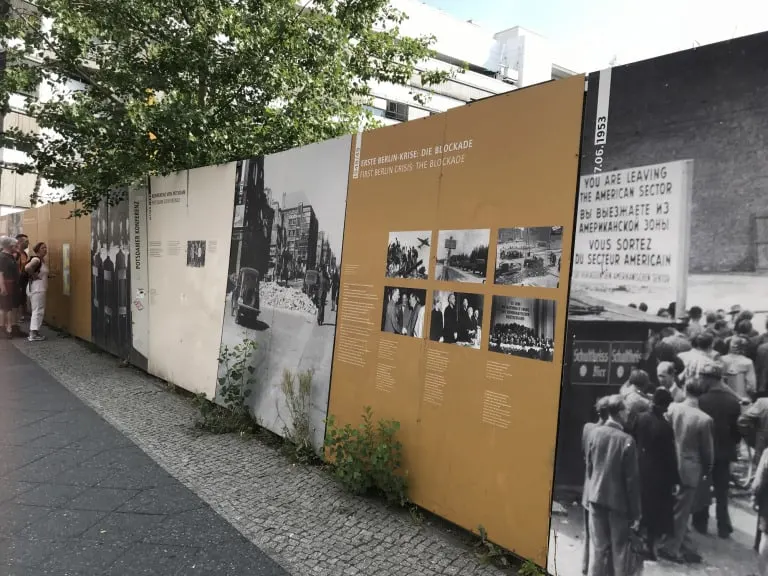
667,318
459,340
283,278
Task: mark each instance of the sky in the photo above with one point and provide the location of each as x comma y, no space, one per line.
587,34
316,174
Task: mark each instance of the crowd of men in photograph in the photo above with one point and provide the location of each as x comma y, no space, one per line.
453,325
663,448
403,261
514,338
404,313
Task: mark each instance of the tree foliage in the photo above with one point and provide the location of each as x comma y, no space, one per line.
174,84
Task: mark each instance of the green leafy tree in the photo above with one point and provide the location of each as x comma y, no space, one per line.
174,84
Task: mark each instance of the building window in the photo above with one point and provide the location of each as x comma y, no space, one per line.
376,111
397,111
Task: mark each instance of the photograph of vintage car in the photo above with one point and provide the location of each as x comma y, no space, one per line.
245,297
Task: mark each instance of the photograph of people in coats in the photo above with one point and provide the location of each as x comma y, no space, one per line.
403,311
461,317
611,492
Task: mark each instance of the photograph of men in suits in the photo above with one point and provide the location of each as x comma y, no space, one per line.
612,491
403,311
451,321
695,458
392,321
460,324
436,322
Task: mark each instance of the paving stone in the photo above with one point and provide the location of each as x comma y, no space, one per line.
155,560
62,524
51,495
168,499
16,517
83,558
83,476
10,489
24,552
123,527
104,499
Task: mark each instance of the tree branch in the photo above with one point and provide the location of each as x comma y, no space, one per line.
77,68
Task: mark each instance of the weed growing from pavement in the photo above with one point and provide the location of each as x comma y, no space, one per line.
488,552
297,389
368,459
530,569
231,414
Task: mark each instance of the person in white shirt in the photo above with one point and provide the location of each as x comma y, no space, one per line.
37,269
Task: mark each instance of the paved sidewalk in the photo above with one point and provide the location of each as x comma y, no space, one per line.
78,498
297,515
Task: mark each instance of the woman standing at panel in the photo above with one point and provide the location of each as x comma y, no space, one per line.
37,270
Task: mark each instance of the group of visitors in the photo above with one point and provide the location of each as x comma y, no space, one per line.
663,447
23,285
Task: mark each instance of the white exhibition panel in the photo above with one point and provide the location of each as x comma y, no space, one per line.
190,227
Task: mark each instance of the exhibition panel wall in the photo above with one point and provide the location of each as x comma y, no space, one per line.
452,319
189,223
286,230
672,217
119,306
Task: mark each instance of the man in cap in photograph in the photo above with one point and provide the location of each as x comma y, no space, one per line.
695,457
612,491
724,408
601,408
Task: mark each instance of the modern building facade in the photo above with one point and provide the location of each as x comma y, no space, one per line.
482,64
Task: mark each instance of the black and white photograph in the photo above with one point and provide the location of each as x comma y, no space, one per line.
457,318
196,253
529,256
523,327
668,344
408,254
462,255
403,311
284,273
110,279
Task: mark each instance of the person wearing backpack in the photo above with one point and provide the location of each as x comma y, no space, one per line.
37,270
22,244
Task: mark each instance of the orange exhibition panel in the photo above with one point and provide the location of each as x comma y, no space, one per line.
457,251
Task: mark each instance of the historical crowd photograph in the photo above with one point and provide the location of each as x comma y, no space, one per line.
408,255
110,279
523,327
196,253
284,273
529,256
403,311
462,255
661,460
457,318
